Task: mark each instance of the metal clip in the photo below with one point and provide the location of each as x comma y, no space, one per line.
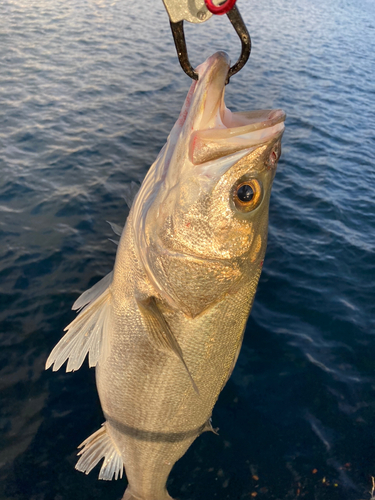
194,11
202,15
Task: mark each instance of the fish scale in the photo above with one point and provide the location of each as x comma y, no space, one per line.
164,330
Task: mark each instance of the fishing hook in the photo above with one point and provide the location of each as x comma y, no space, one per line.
238,24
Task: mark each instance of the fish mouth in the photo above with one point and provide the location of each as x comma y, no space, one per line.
215,130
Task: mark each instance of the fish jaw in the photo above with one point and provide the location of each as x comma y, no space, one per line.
184,211
244,131
207,103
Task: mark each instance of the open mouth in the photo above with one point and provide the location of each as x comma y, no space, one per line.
217,131
246,130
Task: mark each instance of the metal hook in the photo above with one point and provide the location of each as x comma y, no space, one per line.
241,30
180,43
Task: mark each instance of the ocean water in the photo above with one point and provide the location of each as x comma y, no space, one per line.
89,90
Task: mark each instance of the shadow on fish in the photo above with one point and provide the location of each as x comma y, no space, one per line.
165,327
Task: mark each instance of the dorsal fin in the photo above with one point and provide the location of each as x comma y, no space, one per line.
93,293
88,332
115,228
130,192
161,334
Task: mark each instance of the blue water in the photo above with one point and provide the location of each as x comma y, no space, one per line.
89,90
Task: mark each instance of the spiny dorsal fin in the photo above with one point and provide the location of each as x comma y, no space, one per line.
100,445
115,228
93,293
88,332
160,332
130,192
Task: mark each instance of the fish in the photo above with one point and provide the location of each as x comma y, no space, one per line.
164,328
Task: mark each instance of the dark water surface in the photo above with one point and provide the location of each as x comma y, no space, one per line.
89,91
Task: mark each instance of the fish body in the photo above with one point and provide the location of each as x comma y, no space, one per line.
165,328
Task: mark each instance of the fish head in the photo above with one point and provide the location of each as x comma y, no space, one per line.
201,216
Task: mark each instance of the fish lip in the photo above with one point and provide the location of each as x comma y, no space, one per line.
239,132
235,123
208,92
216,64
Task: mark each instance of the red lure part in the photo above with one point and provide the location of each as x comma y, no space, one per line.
219,10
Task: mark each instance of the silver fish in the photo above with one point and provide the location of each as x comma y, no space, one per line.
165,327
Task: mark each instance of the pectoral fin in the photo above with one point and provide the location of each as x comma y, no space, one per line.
160,332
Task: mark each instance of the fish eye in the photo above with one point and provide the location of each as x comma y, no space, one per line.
247,195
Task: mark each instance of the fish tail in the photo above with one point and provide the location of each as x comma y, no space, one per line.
130,495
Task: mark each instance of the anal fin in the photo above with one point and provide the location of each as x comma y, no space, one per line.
100,445
130,495
208,427
161,334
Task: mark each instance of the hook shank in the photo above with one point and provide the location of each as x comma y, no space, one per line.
237,22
